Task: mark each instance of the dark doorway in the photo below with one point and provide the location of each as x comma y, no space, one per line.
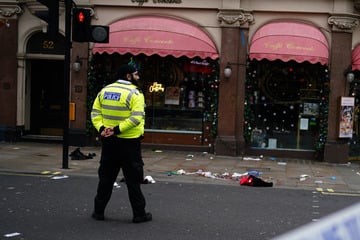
47,95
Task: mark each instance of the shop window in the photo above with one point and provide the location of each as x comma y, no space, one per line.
181,94
285,105
354,146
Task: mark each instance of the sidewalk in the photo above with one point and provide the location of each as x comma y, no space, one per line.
39,158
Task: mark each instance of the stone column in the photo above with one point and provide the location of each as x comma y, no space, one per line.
12,81
234,43
78,95
337,150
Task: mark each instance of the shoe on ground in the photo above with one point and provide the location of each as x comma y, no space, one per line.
146,218
99,217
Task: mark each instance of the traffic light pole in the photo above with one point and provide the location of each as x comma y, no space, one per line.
68,6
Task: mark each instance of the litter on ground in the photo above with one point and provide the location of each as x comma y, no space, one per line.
253,181
180,172
59,177
253,175
251,159
14,234
149,179
157,151
303,177
78,155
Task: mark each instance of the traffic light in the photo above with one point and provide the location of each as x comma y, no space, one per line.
51,16
99,34
81,25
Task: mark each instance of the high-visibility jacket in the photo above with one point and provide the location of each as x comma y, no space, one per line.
121,105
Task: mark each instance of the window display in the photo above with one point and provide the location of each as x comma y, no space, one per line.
354,141
174,119
181,94
177,103
284,105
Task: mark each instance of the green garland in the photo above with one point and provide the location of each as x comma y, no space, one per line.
249,115
323,116
211,91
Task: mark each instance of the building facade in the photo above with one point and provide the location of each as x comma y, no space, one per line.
285,91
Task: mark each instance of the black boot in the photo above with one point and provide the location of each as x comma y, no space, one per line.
97,216
145,218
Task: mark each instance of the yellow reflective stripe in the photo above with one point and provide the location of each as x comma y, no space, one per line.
94,115
111,117
138,114
128,99
134,120
112,107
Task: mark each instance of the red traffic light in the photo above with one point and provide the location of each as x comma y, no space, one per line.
81,24
83,31
81,17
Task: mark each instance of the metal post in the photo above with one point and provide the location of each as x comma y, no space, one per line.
68,5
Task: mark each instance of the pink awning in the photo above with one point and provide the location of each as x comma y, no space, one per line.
289,41
157,35
355,58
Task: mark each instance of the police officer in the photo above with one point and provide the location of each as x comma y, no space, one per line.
119,116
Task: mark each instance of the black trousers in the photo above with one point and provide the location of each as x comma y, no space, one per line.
119,154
